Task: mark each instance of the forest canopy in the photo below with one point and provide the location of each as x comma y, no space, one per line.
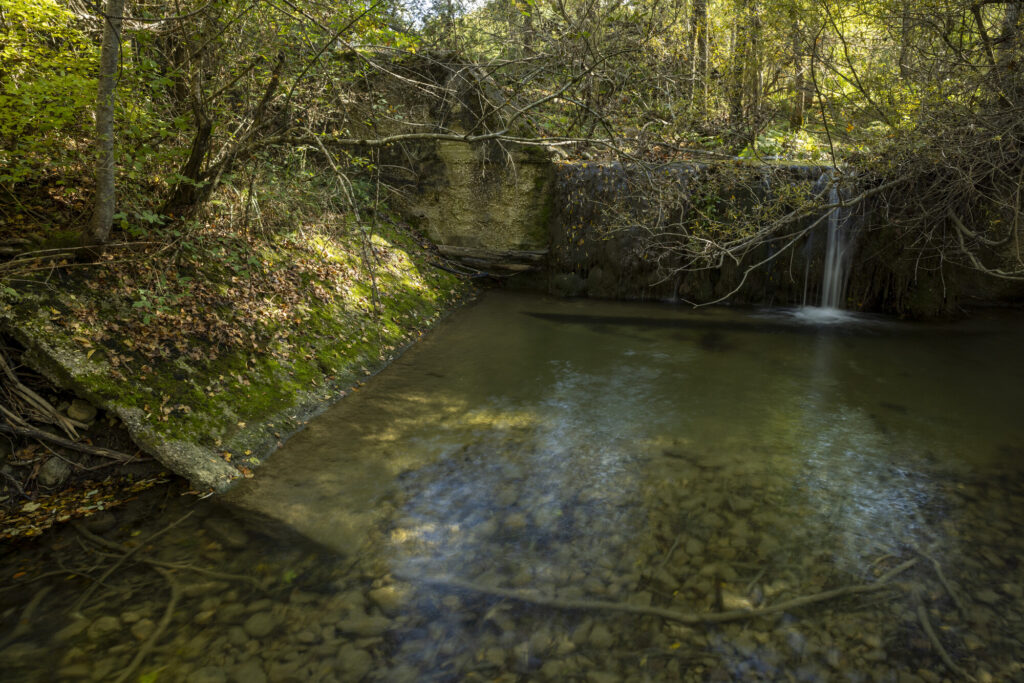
920,99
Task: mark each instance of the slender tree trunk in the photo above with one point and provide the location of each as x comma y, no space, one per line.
98,231
1009,53
905,42
699,42
796,114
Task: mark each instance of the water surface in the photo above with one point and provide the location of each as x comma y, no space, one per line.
533,453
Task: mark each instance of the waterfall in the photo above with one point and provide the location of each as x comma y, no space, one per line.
836,267
837,261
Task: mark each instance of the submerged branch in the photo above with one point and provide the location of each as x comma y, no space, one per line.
692,618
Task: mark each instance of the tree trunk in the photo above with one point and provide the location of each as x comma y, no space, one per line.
98,231
1009,53
699,42
796,114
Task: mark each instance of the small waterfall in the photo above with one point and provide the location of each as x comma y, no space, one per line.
838,249
837,261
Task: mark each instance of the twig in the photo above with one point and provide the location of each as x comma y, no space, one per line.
158,631
922,616
665,613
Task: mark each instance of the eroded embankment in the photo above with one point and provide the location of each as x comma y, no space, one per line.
213,350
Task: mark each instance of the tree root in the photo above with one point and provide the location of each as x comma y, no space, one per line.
8,428
942,579
121,550
691,618
126,554
922,616
37,402
158,631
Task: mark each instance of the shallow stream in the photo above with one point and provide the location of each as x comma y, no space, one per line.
583,491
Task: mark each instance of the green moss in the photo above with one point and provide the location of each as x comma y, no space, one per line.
235,400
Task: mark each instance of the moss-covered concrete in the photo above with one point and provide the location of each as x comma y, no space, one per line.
209,411
485,198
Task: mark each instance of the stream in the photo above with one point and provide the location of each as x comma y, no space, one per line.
572,490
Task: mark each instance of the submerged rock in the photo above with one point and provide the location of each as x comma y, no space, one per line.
364,626
261,624
208,674
103,627
226,531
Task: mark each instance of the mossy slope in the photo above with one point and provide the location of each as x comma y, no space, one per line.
215,364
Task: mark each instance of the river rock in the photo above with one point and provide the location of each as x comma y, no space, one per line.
74,672
354,662
641,599
495,656
540,641
515,522
768,546
582,632
82,411
554,670
601,637
603,677
143,629
1015,590
103,627
226,531
208,674
231,613
249,671
101,522
365,626
286,672
739,504
72,630
20,653
203,618
130,616
664,581
53,472
260,625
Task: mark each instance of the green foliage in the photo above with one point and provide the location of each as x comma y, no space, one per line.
46,87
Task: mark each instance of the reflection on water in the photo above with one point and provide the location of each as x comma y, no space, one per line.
470,513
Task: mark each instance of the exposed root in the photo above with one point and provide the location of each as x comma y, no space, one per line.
165,621
922,616
39,434
942,578
36,402
691,618
126,554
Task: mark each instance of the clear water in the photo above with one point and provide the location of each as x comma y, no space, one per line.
534,453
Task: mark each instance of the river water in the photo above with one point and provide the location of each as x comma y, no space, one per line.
572,490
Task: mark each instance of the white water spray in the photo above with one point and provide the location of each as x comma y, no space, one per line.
836,271
837,262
